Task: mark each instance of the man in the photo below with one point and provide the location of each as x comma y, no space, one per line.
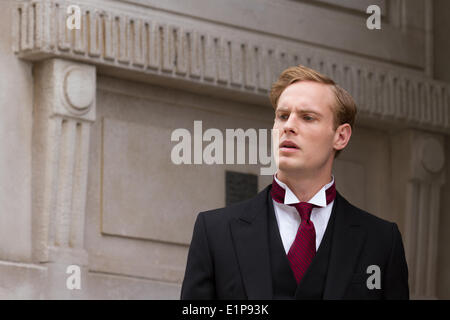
299,238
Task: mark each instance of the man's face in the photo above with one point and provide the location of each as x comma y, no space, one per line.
305,121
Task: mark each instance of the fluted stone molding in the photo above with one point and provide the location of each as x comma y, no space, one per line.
64,110
425,172
422,219
238,61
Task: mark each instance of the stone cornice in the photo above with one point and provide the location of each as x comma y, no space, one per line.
236,61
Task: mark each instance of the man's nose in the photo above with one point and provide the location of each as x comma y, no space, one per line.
290,124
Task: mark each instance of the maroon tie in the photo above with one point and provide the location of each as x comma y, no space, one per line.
303,249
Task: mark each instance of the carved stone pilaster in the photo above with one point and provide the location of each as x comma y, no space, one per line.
63,112
418,175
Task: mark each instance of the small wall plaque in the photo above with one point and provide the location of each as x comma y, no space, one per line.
240,186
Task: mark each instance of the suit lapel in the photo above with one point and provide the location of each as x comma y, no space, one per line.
347,242
250,236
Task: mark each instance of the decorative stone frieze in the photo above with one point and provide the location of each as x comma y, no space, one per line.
238,60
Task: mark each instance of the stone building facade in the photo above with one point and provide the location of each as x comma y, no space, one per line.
86,177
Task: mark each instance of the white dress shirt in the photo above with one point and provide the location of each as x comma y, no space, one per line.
288,218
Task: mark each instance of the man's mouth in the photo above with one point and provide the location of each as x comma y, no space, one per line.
288,146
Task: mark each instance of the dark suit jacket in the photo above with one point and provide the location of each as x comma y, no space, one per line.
229,255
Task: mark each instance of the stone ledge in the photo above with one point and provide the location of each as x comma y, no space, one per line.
23,281
30,282
111,286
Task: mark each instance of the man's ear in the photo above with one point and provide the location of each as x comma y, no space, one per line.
342,136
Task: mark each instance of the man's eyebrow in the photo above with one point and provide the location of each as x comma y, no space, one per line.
310,111
302,111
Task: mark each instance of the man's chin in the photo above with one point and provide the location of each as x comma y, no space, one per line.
288,165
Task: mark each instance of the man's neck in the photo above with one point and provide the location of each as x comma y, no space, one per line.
304,186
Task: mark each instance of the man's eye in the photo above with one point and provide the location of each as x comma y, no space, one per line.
308,118
283,116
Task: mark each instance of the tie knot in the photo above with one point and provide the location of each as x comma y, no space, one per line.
304,210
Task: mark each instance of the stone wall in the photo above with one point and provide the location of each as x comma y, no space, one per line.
89,113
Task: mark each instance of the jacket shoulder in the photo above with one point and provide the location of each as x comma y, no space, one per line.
235,210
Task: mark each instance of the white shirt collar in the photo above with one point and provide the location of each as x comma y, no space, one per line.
319,199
